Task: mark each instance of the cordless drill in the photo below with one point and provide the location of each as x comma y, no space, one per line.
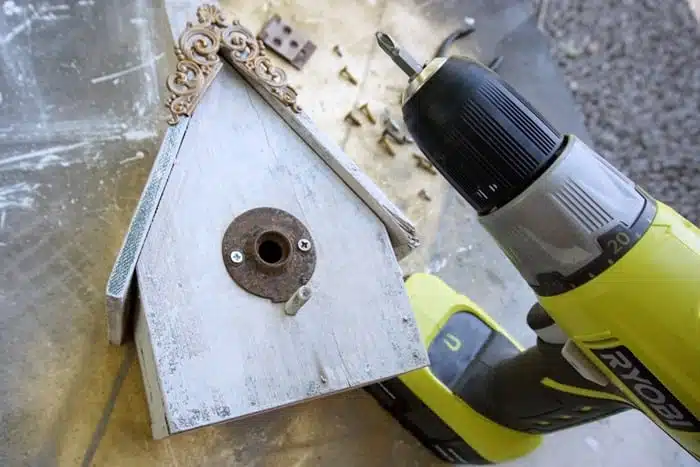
616,274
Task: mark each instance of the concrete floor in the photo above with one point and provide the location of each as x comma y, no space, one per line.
80,87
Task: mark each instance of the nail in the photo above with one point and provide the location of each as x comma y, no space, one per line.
386,146
424,164
352,119
345,73
424,194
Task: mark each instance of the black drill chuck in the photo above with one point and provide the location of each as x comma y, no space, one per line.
481,134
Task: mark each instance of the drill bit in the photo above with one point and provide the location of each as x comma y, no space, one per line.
403,59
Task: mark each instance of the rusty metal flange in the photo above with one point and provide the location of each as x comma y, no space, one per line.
269,253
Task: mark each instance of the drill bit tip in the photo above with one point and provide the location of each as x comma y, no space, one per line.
403,59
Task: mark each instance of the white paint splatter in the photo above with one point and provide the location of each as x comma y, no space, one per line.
592,443
50,16
39,159
48,161
14,32
62,7
436,265
84,129
45,13
19,195
463,249
139,108
126,71
138,135
139,155
86,2
3,218
138,21
10,8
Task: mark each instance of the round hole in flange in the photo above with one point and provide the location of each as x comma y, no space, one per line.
273,248
293,44
287,29
277,41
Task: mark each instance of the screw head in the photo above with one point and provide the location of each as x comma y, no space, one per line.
304,244
236,257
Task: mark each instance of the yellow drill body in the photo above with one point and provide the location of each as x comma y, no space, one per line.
647,304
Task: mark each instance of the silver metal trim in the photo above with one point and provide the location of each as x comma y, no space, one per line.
421,78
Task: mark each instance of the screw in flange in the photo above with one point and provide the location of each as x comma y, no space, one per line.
304,244
236,257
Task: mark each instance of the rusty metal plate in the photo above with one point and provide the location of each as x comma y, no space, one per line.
287,41
269,253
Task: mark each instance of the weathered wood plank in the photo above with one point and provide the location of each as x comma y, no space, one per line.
222,353
119,284
144,347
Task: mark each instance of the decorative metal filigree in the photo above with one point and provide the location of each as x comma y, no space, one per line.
198,50
247,54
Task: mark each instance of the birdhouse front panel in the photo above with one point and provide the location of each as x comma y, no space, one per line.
264,279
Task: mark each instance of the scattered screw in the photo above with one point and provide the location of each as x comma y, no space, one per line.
391,125
384,143
395,131
424,164
364,108
337,50
424,195
297,300
398,137
323,378
345,73
352,119
405,319
304,244
236,257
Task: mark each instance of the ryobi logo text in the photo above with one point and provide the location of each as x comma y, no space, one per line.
647,388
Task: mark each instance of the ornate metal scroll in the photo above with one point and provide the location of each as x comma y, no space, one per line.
247,54
198,50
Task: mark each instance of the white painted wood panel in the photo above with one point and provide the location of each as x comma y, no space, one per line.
221,353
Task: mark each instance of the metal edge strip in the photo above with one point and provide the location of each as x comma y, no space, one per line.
119,285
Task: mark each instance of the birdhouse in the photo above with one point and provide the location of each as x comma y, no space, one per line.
260,268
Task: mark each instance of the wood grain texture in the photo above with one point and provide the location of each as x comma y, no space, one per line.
144,347
222,353
402,232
